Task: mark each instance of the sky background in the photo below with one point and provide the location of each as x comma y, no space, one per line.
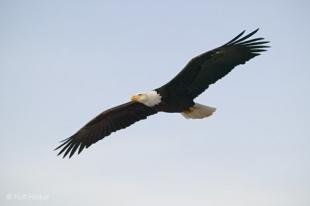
63,62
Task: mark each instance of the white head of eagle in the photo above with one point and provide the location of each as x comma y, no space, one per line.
150,98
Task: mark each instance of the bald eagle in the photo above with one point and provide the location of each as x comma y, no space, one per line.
177,96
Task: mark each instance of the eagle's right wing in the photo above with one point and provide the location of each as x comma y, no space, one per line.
211,66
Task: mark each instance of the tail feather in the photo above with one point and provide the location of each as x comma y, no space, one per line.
198,111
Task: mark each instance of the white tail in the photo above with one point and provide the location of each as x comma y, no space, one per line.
198,111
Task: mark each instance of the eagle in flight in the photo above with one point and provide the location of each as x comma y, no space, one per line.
176,96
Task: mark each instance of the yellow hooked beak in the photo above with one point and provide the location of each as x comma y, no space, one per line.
134,98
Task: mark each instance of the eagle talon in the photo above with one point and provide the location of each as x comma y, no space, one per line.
189,110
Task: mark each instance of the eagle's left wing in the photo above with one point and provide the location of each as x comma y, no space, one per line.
103,125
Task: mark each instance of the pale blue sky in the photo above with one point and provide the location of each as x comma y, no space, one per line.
63,62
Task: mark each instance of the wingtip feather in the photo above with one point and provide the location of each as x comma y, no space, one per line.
235,38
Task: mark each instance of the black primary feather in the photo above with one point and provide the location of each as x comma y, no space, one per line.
205,69
103,125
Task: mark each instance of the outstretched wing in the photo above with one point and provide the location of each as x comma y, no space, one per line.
211,66
103,125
